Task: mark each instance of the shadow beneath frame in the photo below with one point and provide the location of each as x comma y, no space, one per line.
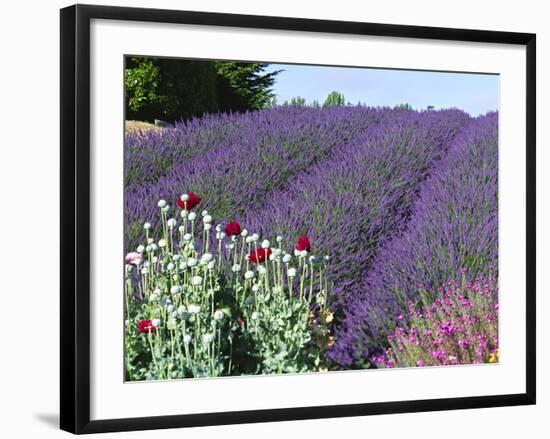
49,419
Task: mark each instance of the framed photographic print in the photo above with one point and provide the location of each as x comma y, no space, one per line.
268,218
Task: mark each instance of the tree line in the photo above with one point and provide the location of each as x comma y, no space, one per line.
171,89
177,89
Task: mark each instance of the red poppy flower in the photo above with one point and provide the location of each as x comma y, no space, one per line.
233,228
190,203
259,255
303,244
240,321
145,326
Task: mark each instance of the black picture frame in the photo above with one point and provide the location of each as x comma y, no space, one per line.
75,217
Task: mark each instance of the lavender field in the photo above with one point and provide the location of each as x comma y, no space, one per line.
298,239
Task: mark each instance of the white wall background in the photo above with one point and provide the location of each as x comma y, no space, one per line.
29,200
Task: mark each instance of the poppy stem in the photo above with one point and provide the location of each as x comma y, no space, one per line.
219,253
230,355
243,239
302,295
290,289
153,352
212,288
311,285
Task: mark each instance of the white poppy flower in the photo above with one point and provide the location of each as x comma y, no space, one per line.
208,338
197,280
194,309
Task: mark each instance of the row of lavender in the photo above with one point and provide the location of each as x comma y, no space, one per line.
235,169
453,229
348,178
354,201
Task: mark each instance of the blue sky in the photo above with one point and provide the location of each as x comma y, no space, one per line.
473,93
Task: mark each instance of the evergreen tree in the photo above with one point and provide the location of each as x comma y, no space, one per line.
244,86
